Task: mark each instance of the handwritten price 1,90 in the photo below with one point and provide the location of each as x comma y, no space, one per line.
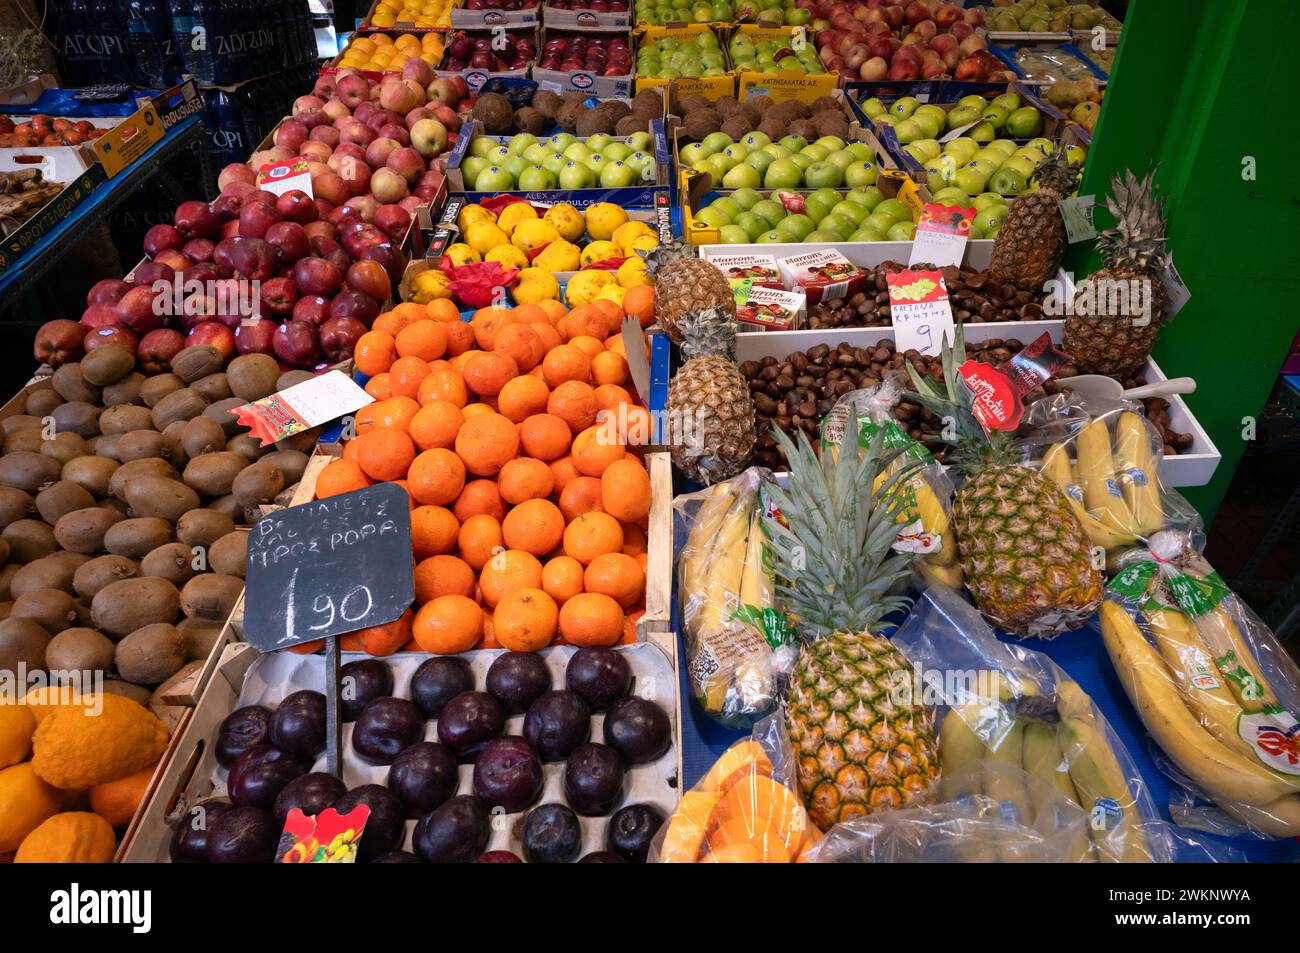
352,608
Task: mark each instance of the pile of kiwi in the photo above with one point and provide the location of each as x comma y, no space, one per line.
122,498
569,112
703,117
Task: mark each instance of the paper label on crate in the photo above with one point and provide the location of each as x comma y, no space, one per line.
1175,289
1274,736
281,177
941,235
769,308
959,131
326,838
821,274
760,269
919,310
324,398
1077,214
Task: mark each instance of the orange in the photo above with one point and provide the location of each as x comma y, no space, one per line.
595,449
562,578
609,367
590,618
436,476
587,320
443,310
618,576
609,396
460,337
564,472
483,406
479,539
580,495
588,345
448,625
528,314
633,540
612,311
374,352
433,531
443,576
444,383
525,620
545,436
485,442
625,491
488,371
117,801
408,311
478,498
489,640
393,412
436,424
378,387
534,526
521,343
547,335
629,626
508,571
385,453
391,322
635,426
554,309
639,303
425,339
574,402
591,535
486,322
350,450
381,640
524,478
406,375
567,362
523,397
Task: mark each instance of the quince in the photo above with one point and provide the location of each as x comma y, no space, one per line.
461,254
567,220
632,272
585,286
509,256
513,214
483,236
431,284
534,233
471,214
599,251
536,284
558,255
603,218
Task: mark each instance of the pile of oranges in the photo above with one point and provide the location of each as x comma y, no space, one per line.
518,438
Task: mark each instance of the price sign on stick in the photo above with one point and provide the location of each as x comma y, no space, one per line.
919,310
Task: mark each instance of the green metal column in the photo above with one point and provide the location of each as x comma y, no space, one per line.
1206,90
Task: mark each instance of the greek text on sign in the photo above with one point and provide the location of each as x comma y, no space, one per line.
919,310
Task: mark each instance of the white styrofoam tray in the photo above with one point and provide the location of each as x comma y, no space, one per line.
979,253
57,163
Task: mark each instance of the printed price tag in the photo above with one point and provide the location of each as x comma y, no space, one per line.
941,235
919,309
1077,215
1175,289
281,177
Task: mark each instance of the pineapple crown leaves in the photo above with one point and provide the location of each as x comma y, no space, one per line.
710,331
1137,240
1055,174
664,255
831,537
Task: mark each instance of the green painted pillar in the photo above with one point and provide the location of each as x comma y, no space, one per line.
1204,91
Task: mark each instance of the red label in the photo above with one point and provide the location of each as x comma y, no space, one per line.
326,838
1033,366
997,404
793,202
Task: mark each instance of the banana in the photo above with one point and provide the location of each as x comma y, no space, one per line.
1043,760
1137,472
1101,493
949,576
927,509
1006,786
1221,772
1100,783
755,586
700,543
960,752
1235,660
1056,467
719,595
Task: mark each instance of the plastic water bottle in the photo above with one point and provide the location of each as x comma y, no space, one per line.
223,120
192,42
92,41
146,44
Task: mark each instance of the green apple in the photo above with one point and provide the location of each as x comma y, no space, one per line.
782,174
929,148
880,222
493,179
901,231
951,192
772,237
736,152
718,165
482,146
830,143
860,175
733,235
1025,122
755,140
471,166
1045,146
576,175
817,207
520,143
873,107
499,155
989,219
866,234
984,132
536,153
1006,147
814,151
903,107
713,217
929,126
639,141
985,199
618,151
515,165
560,141
793,143
536,178
895,209
1008,101
694,152
727,205
823,175
741,176
824,235
986,168
1075,155
577,152
971,179
842,158
961,116
598,142
995,116
597,161
802,161
868,197
769,211
1021,166
861,151
796,227
973,102
554,163
939,173
841,226
1008,182
716,142
854,212
751,223
617,175
746,198
759,161
643,164
908,131
961,149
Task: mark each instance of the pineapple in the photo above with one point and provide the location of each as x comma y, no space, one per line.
1031,242
710,421
684,283
1023,554
1103,339
862,743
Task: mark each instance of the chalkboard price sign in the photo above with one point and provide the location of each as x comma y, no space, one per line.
329,567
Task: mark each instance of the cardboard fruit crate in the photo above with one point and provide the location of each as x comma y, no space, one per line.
781,84
564,81
710,87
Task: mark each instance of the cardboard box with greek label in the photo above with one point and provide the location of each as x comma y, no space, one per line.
710,87
583,81
54,211
57,163
578,14
759,308
781,84
463,18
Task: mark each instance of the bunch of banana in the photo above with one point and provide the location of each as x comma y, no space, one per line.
1112,484
1191,695
1056,741
726,585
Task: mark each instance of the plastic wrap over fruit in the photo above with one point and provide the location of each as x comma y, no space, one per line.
1215,689
738,644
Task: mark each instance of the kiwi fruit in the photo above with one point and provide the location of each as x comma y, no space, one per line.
71,385
231,507
137,537
247,446
4,551
202,435
83,531
49,572
155,388
77,417
151,654
6,578
124,418
15,504
11,425
107,365
253,376
229,554
289,378
27,471
52,609
22,643
79,650
142,469
156,496
63,447
41,401
172,561
211,596
102,571
303,441
197,362
223,413
137,693
259,483
200,637
214,387
178,405
29,540
93,474
213,474
142,445
61,498
29,440
125,391
105,445
122,607
200,527
292,463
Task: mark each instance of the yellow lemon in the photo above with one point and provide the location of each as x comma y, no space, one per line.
534,233
473,213
612,293
641,243
585,286
632,272
603,218
567,221
599,251
431,284
508,255
624,234
485,236
513,214
536,285
462,254
559,255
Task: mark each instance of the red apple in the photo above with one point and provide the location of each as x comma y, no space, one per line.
314,309
157,348
429,137
235,172
326,135
214,334
366,206
370,278
141,310
277,297
339,336
113,334
387,254
173,259
289,241
297,344
198,249
291,134
388,186
296,206
319,229
254,258
160,237
59,341
353,91
107,291
407,163
317,276
330,187
99,316
393,221
355,304
418,70
149,272
255,219
255,336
